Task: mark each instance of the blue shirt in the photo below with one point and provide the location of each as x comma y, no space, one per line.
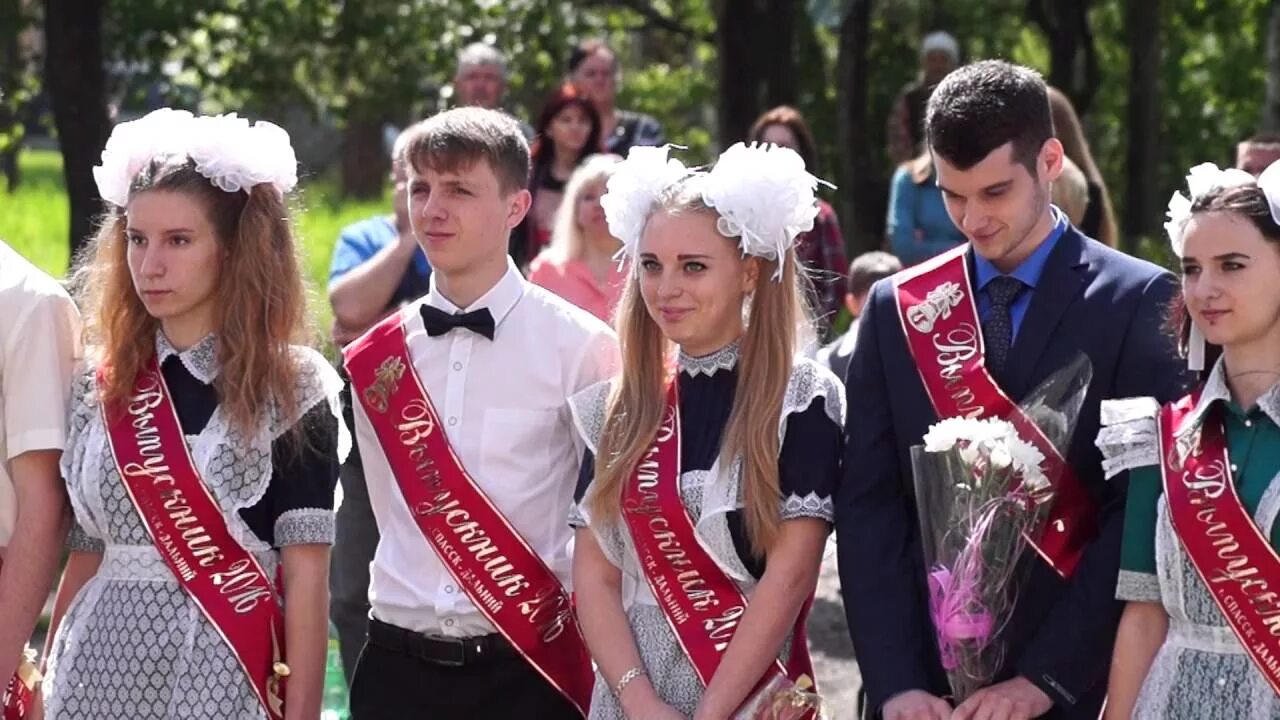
362,240
918,225
1028,272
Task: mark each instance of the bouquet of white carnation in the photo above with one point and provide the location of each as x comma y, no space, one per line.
981,491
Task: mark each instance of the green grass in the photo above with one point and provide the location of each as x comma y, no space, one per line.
34,221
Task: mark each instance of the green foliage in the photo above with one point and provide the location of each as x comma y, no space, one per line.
18,78
35,219
34,222
393,60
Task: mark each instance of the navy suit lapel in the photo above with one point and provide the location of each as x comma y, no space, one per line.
1061,282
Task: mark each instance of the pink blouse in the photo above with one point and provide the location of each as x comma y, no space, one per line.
573,281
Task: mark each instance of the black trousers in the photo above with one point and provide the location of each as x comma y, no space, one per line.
390,685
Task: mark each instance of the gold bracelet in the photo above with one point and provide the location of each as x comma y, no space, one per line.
626,679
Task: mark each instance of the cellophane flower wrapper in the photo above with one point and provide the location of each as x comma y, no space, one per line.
781,698
981,492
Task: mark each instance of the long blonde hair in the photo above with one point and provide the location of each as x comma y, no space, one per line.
260,298
567,239
777,320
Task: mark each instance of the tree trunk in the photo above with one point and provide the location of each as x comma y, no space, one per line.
1270,121
1073,58
76,82
740,77
860,209
13,69
364,160
776,32
1142,212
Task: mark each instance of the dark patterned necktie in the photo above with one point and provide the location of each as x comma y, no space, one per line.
997,329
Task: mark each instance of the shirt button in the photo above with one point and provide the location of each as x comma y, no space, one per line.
453,421
448,588
1235,468
1248,423
457,366
448,622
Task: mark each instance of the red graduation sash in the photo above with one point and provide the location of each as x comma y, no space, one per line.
504,578
186,525
939,316
701,603
1228,550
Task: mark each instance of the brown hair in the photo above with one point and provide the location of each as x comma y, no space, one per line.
1066,125
764,369
260,298
543,152
982,106
1245,201
792,119
461,137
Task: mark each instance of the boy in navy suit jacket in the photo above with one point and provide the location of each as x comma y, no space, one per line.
1043,292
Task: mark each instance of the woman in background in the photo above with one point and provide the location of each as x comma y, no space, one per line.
579,265
918,225
821,250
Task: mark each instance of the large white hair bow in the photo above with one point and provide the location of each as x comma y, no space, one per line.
1206,178
762,193
232,153
633,189
764,196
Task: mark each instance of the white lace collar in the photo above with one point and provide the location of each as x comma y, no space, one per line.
1215,389
726,358
201,359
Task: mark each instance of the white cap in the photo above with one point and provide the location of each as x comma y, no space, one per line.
943,41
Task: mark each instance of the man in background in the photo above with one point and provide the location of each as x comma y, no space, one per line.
377,267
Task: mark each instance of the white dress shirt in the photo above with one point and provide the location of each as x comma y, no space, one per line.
504,407
39,346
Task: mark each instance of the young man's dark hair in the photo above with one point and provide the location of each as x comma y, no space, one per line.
868,268
980,107
462,136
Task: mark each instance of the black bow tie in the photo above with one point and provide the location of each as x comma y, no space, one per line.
439,322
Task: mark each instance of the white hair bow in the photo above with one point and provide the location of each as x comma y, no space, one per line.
232,153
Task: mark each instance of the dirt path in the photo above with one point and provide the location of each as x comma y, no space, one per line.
838,676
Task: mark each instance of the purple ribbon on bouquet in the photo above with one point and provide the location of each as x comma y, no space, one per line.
950,597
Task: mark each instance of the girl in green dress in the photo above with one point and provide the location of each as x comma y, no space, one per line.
1176,656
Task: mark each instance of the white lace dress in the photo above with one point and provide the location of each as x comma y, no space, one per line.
132,644
810,427
1201,672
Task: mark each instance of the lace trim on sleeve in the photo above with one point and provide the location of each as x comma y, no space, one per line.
1134,586
1128,437
78,540
808,506
305,526
587,407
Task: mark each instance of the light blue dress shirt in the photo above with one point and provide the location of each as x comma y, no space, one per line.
1028,272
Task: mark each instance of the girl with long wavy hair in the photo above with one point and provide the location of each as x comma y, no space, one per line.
192,289
716,414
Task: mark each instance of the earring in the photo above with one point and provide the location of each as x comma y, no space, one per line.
1195,349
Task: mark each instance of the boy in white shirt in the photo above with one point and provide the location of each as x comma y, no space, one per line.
39,347
471,465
